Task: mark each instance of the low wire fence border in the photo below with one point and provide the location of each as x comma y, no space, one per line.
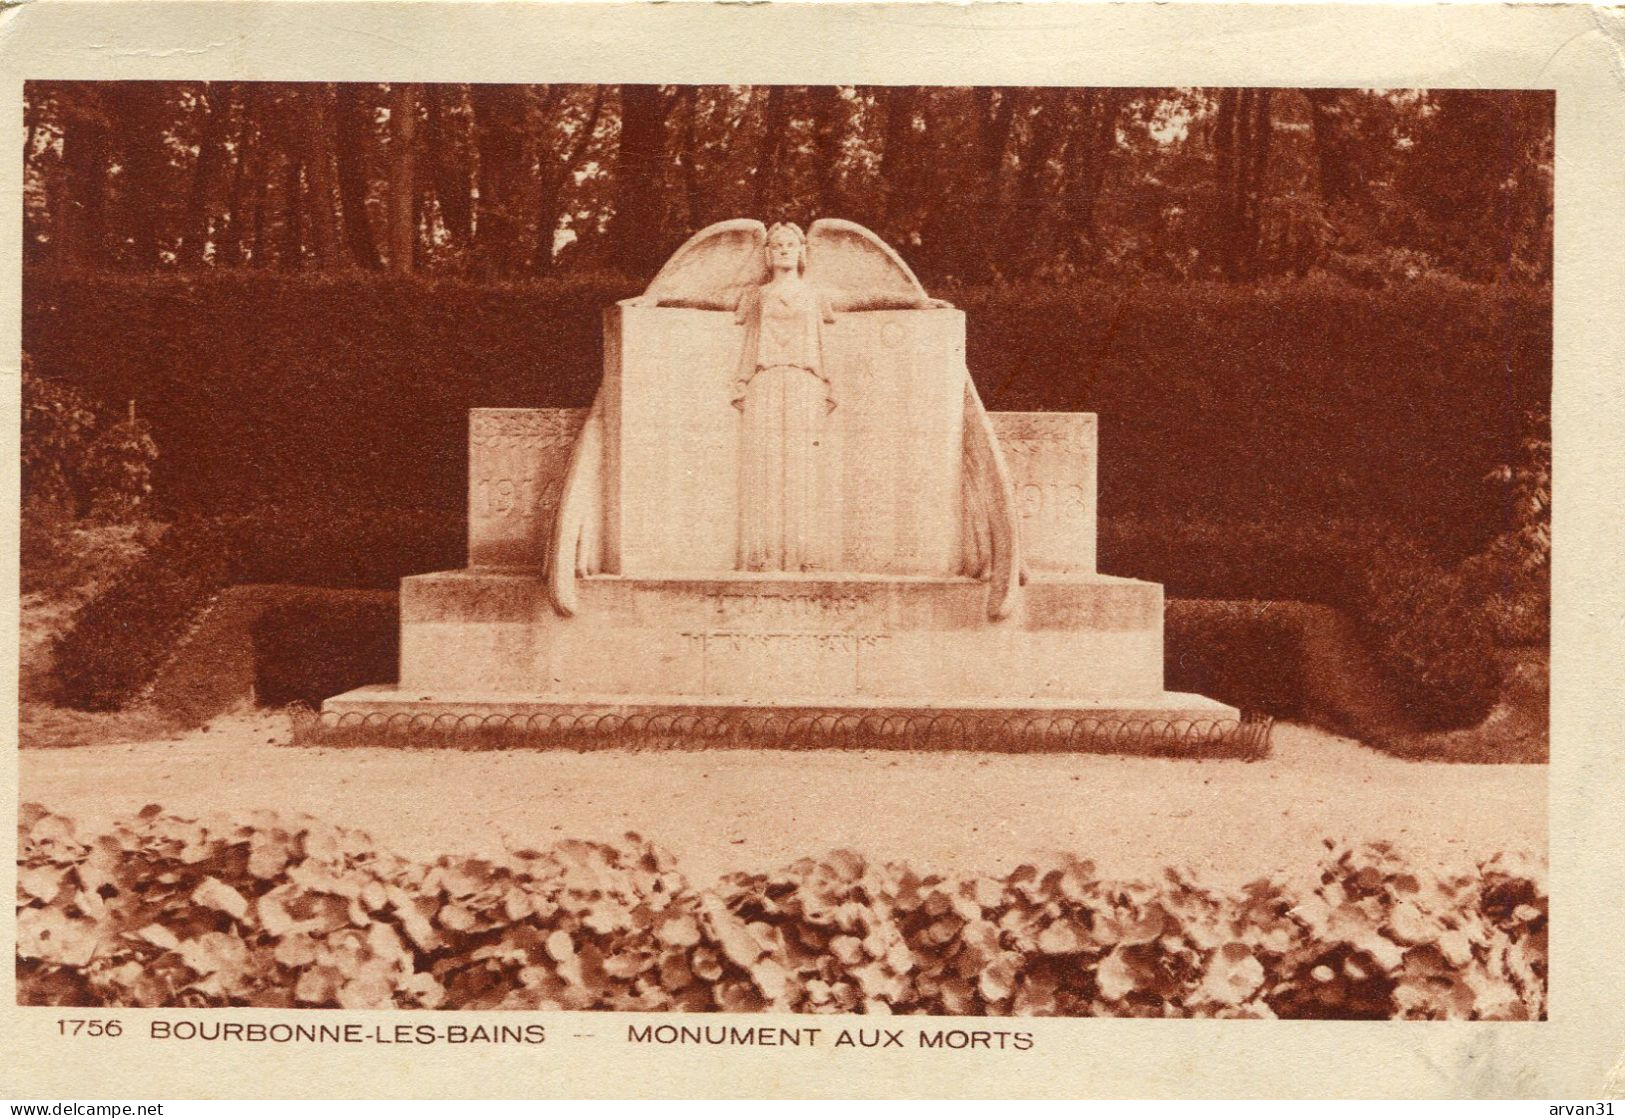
1247,737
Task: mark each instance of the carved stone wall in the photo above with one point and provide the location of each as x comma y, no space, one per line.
889,463
1052,462
516,463
518,456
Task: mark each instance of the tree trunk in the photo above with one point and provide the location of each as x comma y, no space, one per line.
555,172
635,236
214,101
1260,134
775,118
1241,159
1034,208
293,215
449,170
403,224
1334,149
899,170
354,133
971,239
499,130
141,112
259,177
829,133
1092,155
228,238
318,158
80,221
687,162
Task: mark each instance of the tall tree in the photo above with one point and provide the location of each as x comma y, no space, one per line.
353,112
899,154
827,108
636,238
499,130
231,229
1241,145
80,225
1335,152
448,166
214,103
142,112
403,194
775,122
1034,206
553,172
1089,151
316,154
688,111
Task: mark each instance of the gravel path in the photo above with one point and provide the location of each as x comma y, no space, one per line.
723,810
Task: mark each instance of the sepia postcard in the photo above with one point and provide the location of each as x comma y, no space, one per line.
807,550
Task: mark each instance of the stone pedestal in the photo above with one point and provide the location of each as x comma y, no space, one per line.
774,639
484,646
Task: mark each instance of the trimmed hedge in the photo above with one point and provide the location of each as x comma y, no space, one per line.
120,639
1300,401
1429,629
313,644
255,910
1431,636
1247,654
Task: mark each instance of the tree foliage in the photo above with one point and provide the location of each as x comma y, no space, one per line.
504,182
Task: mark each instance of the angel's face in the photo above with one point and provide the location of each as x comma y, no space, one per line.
784,250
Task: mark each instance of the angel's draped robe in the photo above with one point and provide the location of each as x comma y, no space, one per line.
783,391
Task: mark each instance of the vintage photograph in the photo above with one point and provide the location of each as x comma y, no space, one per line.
965,551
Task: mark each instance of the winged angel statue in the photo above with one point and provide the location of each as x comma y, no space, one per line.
783,288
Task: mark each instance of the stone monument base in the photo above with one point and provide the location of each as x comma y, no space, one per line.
1174,725
805,660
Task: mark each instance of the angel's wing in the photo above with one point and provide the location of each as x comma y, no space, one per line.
712,267
848,258
576,547
992,526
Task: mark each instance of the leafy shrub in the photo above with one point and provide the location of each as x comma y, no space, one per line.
312,644
165,911
118,468
1514,573
1427,626
57,425
77,458
1435,637
1307,400
123,636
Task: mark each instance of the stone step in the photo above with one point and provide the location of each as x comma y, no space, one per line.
1169,724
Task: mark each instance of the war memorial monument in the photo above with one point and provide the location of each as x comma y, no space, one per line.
787,519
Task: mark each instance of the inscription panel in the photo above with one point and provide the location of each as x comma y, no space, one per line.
814,609
1051,456
783,662
517,458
